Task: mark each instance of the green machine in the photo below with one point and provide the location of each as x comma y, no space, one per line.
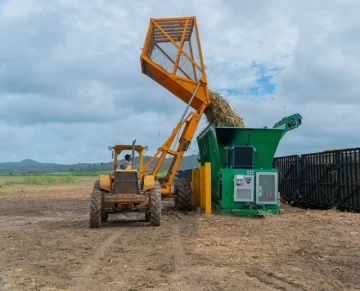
243,180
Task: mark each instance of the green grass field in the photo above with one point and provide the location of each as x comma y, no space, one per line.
36,180
44,179
48,178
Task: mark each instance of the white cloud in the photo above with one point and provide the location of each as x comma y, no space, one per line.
15,141
71,81
18,9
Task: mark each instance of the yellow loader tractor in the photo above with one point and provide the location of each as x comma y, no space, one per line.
126,190
172,57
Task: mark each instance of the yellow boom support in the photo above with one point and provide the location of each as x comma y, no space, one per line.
172,57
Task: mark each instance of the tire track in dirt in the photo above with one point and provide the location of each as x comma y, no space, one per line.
2,287
84,281
179,261
270,279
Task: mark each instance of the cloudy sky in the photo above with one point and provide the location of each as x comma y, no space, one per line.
71,81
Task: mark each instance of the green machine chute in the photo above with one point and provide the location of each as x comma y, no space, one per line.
243,180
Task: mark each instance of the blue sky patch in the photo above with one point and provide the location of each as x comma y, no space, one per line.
264,83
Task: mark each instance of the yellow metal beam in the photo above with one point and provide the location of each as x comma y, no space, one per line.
181,47
196,185
207,188
202,187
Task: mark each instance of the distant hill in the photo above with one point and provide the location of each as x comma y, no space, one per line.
31,166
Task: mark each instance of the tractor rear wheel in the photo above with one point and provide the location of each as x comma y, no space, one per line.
154,214
97,217
183,191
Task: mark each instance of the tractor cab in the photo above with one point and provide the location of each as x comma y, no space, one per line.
129,163
127,178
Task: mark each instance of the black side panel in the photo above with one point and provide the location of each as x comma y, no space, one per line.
126,183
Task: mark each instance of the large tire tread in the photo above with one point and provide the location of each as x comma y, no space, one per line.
183,190
154,215
96,217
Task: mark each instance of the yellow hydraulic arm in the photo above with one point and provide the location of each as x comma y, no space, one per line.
172,57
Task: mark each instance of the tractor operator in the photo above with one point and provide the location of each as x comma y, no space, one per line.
127,163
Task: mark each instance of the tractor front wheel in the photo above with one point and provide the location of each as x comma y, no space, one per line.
183,191
154,214
96,216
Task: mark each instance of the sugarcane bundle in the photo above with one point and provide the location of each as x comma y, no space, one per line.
219,113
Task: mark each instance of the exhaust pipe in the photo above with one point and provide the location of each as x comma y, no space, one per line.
133,153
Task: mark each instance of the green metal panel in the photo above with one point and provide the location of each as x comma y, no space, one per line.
265,142
214,139
228,205
209,152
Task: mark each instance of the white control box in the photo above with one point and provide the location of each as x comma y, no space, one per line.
243,188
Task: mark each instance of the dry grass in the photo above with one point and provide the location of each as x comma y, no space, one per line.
220,113
11,179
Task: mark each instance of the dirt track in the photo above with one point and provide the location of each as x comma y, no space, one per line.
45,244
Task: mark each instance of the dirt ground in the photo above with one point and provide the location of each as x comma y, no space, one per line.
45,244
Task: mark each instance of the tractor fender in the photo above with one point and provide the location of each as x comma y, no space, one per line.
149,182
105,182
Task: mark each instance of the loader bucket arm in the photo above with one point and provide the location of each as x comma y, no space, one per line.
172,57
